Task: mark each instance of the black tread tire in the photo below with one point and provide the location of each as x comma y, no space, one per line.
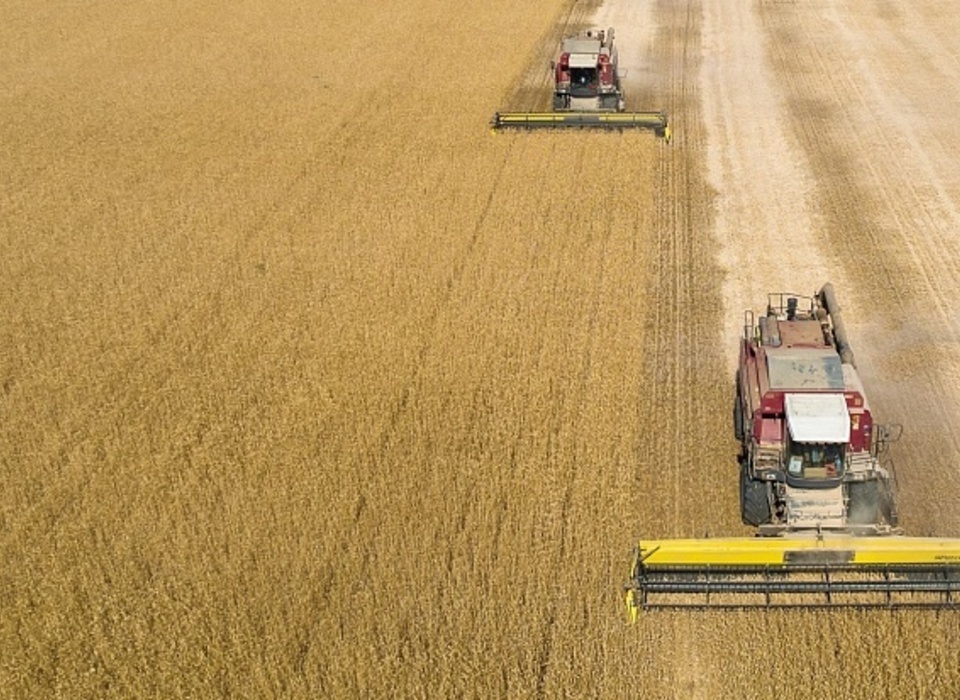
738,413
888,506
609,103
754,503
863,502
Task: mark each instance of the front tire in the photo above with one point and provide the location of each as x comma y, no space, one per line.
888,506
610,103
863,502
754,500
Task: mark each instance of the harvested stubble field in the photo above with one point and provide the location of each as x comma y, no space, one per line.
312,387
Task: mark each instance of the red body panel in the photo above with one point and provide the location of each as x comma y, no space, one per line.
770,432
606,70
562,70
766,405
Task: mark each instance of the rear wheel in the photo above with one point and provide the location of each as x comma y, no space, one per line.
754,502
863,502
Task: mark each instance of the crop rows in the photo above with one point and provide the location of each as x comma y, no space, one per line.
312,386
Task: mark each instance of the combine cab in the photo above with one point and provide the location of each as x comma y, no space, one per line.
815,483
587,91
586,76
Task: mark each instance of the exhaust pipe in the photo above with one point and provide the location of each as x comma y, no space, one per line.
829,299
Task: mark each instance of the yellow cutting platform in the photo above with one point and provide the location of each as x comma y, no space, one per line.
657,121
796,571
802,550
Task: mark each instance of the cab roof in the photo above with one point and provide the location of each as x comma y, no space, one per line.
818,418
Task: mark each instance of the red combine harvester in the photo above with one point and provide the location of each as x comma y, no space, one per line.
814,481
810,450
587,91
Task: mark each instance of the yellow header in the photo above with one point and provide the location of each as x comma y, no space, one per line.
650,120
801,550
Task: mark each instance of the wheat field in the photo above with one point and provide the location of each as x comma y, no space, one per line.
314,387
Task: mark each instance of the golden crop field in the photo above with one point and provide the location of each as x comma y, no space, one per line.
314,387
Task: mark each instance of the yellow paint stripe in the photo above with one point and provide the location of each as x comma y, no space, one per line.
644,119
776,551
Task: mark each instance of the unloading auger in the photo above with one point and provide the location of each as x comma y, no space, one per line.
815,480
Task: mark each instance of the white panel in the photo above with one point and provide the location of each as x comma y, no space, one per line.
818,418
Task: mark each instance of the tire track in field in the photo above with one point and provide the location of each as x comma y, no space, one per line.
576,473
144,364
687,402
401,409
534,91
911,188
381,445
730,654
675,236
899,196
686,309
568,478
765,221
133,359
890,218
